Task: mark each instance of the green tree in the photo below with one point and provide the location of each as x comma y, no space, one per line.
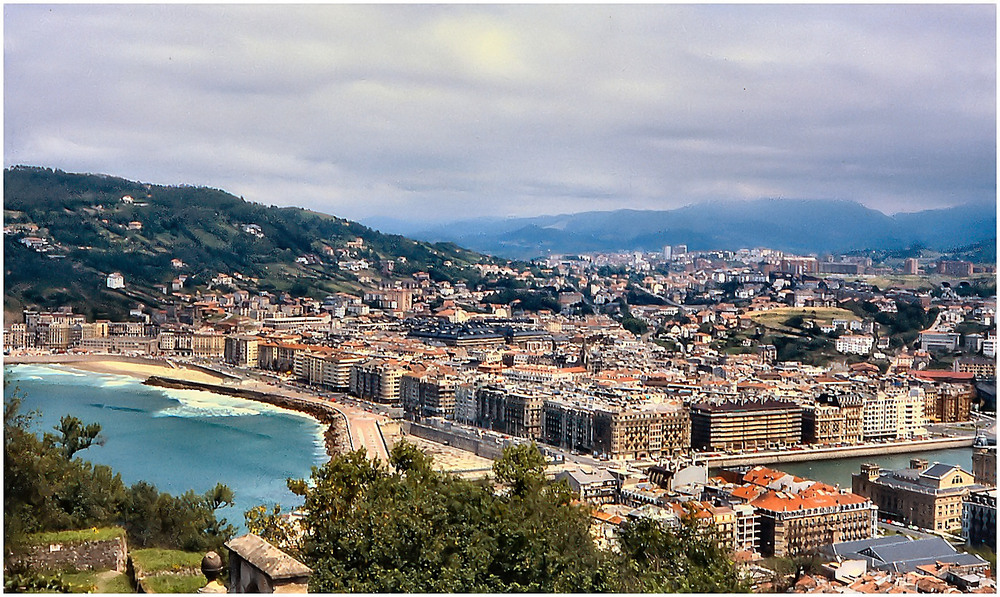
686,559
75,436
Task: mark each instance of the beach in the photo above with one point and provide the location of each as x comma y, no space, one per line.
117,365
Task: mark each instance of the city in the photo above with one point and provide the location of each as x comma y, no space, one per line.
500,298
646,421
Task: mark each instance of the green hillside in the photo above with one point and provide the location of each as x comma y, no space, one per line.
85,224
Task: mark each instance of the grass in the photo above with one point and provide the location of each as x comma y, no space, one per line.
117,584
982,551
175,583
79,536
85,580
819,314
157,560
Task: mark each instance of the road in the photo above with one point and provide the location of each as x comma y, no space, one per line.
905,530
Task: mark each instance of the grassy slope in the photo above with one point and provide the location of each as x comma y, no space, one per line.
85,219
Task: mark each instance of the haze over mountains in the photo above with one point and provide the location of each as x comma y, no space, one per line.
794,225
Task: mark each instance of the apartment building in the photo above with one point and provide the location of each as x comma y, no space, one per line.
894,416
854,344
745,424
979,517
428,394
833,419
377,380
793,524
509,409
327,368
241,350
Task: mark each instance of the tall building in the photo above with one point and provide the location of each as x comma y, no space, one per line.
911,267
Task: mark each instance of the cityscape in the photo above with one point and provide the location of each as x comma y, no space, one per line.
677,299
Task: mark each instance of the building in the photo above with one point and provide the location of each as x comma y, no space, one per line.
377,380
598,487
745,425
961,269
833,419
929,497
979,518
241,350
854,344
116,280
793,524
511,410
984,466
331,370
982,368
911,267
428,395
931,340
901,554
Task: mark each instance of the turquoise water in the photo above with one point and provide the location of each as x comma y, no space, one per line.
178,439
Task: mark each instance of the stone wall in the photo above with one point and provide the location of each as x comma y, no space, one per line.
88,555
479,447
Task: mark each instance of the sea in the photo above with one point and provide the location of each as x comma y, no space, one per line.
178,439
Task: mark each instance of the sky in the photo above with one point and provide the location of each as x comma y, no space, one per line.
446,112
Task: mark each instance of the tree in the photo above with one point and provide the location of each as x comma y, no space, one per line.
686,559
47,489
408,528
75,436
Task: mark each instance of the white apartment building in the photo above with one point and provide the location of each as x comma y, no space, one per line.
855,344
880,418
896,415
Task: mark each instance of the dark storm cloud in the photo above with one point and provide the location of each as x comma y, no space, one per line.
447,111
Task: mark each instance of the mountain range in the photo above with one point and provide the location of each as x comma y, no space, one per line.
793,225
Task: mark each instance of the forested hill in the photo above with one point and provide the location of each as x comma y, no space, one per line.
89,226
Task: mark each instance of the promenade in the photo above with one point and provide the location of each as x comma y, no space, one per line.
805,454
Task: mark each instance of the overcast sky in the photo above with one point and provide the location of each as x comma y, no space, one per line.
447,112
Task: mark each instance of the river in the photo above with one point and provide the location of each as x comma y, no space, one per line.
839,471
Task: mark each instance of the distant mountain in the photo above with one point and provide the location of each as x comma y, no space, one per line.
86,230
802,226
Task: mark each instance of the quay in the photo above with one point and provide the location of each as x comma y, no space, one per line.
834,453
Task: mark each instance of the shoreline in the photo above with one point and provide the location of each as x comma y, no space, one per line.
335,434
324,413
137,367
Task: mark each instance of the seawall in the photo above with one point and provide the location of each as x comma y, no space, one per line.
836,453
337,437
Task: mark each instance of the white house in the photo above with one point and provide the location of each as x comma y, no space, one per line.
116,280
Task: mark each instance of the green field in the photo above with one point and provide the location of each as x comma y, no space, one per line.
775,318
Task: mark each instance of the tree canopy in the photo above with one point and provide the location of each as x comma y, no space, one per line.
406,527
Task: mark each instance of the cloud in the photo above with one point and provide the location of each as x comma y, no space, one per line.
436,112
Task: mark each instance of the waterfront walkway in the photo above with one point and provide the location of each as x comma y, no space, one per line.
804,454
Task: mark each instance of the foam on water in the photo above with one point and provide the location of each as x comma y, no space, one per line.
180,439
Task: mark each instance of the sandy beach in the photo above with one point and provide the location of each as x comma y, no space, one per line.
118,366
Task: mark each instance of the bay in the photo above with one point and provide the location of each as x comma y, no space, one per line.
178,439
